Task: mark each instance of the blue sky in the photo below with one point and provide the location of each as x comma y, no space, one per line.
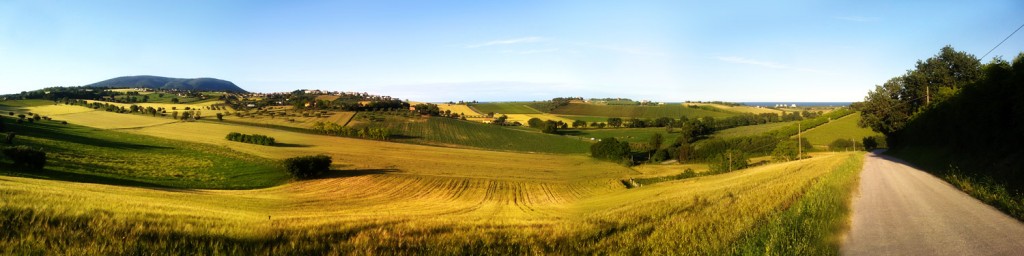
502,50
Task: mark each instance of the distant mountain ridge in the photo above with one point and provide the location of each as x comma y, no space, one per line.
168,83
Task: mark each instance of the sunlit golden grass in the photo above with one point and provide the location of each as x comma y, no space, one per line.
388,198
374,212
525,118
458,109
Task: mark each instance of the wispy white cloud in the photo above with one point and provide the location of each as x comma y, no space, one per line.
534,51
521,40
767,64
858,18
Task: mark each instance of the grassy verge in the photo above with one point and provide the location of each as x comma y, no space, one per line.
812,224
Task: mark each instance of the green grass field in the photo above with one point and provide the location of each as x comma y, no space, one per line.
505,108
842,128
25,103
627,111
92,155
751,130
446,131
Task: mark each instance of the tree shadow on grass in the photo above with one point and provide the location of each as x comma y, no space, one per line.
40,130
49,174
336,173
289,145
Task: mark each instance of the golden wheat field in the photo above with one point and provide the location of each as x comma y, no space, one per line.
387,198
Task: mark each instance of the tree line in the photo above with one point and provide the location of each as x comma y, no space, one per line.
339,130
251,138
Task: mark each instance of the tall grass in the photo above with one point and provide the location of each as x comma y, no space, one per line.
812,225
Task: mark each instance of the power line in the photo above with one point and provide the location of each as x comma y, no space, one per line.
1001,43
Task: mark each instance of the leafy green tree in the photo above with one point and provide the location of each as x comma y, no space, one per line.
174,100
220,116
549,127
307,167
785,151
579,124
655,141
610,149
615,122
728,161
535,123
685,152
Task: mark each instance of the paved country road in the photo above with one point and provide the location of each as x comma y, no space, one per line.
900,210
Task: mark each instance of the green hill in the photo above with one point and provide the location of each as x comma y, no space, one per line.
168,83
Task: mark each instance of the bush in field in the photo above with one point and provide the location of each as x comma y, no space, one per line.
23,155
9,138
251,138
610,149
305,167
728,161
841,145
873,142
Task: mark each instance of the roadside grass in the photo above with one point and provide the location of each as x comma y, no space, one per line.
751,130
629,111
842,128
812,225
84,154
505,108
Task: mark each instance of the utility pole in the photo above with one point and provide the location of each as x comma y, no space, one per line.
927,95
799,144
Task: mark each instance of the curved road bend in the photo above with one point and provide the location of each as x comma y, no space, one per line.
900,210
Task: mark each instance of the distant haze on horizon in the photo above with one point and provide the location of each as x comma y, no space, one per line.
738,51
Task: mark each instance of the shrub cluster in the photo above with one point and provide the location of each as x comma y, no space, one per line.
842,145
305,167
26,156
251,138
610,149
365,132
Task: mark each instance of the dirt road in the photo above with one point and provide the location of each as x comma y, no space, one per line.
900,210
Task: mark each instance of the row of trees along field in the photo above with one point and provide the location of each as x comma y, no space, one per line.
959,117
339,130
251,138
